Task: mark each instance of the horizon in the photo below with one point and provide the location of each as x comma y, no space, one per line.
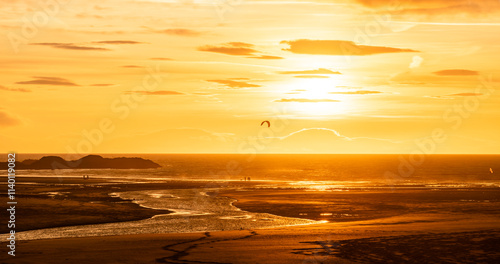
86,154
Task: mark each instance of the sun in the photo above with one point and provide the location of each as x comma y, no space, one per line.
316,89
311,98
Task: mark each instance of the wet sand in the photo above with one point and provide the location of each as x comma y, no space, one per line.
422,235
72,201
366,204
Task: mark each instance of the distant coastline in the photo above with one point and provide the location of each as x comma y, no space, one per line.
87,162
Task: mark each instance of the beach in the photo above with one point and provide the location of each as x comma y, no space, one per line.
356,230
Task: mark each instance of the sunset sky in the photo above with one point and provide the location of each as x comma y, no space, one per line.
331,76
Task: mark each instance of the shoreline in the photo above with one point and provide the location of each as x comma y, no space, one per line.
61,202
74,202
49,203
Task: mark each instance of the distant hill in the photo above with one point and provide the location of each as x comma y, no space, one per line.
87,162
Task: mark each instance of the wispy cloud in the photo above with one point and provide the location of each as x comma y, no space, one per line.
266,57
155,92
49,81
162,59
234,84
466,94
311,76
102,84
456,72
335,133
132,66
317,71
14,89
361,92
180,32
118,42
231,48
70,46
7,120
451,96
87,46
304,100
238,49
337,47
435,7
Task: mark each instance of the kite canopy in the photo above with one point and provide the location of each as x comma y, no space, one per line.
268,123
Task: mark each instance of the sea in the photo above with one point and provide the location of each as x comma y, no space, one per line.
199,210
383,170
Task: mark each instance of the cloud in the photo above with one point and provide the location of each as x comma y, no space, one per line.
180,32
162,59
234,84
434,7
49,81
317,71
238,49
132,66
102,84
337,47
231,48
155,92
303,100
451,96
335,133
361,92
14,89
311,76
119,42
70,46
443,77
466,94
7,120
456,72
327,140
416,62
241,44
266,57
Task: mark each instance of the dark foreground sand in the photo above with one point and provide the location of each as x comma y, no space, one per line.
325,243
414,236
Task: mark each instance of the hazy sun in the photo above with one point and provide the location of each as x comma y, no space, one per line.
310,97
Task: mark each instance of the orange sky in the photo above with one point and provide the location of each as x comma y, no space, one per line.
332,76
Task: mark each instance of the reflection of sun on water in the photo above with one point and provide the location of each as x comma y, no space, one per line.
319,101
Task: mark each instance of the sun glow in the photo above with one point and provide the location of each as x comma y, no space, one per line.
311,98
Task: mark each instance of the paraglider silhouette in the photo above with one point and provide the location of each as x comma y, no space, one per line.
268,123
